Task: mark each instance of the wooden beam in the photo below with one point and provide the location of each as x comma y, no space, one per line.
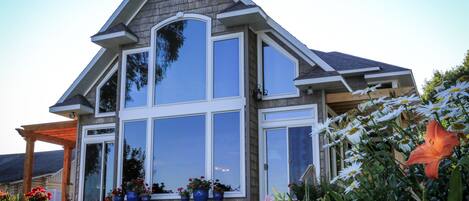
46,138
345,97
66,172
28,164
50,126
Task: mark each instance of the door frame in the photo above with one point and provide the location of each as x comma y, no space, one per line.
85,140
286,123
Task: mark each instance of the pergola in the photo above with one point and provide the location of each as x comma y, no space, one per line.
60,133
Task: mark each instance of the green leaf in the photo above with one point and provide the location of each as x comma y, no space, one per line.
455,186
464,162
335,196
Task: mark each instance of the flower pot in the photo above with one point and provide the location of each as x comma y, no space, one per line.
200,195
218,196
132,196
184,198
145,198
118,198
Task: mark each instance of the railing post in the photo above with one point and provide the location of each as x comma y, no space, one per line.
66,171
28,164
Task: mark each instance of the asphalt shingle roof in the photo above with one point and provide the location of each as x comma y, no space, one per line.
341,61
237,6
116,28
77,99
12,165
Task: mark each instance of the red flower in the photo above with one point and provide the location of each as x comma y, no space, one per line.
438,145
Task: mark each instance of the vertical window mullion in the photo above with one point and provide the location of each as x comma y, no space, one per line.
209,145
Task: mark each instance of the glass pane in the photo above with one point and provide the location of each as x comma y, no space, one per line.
136,80
109,168
134,150
279,72
291,114
92,175
180,62
226,153
108,95
226,68
300,151
178,153
104,131
277,173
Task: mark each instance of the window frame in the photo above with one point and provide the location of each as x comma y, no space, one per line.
207,107
122,94
98,94
287,123
240,37
93,139
263,37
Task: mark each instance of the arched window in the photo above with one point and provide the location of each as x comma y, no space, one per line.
180,62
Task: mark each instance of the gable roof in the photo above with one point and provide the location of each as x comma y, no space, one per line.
12,165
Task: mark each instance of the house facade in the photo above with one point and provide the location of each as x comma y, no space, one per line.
213,88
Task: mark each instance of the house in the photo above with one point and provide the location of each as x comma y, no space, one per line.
47,172
214,88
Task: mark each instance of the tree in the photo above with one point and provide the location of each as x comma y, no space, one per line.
450,77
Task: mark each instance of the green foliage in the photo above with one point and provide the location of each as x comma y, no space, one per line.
450,77
455,186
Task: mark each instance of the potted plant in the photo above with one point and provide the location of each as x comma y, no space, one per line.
199,188
134,188
219,190
38,194
117,194
185,194
145,195
5,196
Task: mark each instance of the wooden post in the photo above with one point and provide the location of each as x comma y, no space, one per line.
28,164
66,171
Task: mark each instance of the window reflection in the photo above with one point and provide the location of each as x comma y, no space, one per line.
180,62
226,132
134,150
136,79
179,151
92,177
108,174
226,68
108,95
300,151
279,72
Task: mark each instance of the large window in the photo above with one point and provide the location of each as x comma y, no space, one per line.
106,94
178,143
278,70
191,122
226,62
136,79
180,59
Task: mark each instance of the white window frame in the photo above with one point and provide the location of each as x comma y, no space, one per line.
263,37
92,139
125,53
287,123
208,107
98,94
240,37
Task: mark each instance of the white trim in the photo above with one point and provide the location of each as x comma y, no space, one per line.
263,125
319,80
360,70
242,12
380,75
124,77
68,108
82,75
99,38
85,140
289,45
262,37
394,83
114,15
98,94
101,74
346,84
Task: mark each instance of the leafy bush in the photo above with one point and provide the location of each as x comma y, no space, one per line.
389,136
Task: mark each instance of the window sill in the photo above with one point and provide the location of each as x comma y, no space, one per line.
174,196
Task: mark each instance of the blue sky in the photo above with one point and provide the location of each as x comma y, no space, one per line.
45,44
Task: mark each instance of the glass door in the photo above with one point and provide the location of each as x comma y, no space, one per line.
98,170
288,153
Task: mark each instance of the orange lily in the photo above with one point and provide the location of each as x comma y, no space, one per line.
438,145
